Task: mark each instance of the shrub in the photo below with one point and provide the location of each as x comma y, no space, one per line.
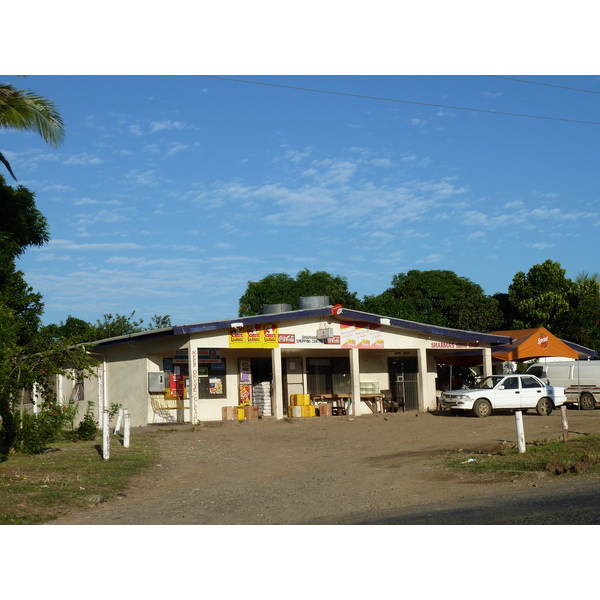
33,432
88,428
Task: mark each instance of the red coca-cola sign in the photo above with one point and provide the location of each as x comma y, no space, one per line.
287,338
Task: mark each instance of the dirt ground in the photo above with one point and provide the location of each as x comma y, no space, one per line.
319,470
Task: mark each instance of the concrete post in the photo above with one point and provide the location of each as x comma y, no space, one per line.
277,383
193,371
127,429
355,381
487,362
423,379
105,436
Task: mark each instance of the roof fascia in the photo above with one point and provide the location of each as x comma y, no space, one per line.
424,328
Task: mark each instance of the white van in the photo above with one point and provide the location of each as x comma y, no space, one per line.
580,378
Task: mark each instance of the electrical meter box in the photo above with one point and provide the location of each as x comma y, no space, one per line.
156,382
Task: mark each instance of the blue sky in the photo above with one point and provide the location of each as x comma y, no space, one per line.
172,192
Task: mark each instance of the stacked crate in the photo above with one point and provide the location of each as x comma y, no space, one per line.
300,406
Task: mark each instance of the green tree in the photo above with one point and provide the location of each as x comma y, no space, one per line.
78,331
25,110
542,297
583,324
437,297
27,356
281,288
22,225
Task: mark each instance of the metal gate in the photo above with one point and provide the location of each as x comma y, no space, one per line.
404,382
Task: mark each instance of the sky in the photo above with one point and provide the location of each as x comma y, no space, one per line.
205,152
171,192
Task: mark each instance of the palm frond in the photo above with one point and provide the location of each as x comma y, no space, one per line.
7,165
25,110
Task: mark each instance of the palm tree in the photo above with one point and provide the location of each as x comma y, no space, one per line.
25,110
588,284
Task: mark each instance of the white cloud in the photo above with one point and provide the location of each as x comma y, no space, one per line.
432,258
168,125
82,159
176,147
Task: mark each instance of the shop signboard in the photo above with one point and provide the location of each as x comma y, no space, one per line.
209,355
361,335
263,335
181,356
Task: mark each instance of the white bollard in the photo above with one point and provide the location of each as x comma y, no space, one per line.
105,437
565,423
119,421
520,431
127,429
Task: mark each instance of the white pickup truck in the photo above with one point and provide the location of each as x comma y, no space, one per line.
505,392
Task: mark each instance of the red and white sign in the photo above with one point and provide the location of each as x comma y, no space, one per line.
286,338
543,340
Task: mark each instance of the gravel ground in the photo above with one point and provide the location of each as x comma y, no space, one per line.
323,470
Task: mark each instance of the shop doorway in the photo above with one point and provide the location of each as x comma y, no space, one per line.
294,378
404,382
260,382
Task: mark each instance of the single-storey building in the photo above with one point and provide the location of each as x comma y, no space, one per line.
355,361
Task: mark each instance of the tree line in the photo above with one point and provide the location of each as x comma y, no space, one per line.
542,297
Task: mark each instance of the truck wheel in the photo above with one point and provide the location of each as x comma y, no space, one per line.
544,407
482,408
586,402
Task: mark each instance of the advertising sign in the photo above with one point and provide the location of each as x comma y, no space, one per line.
209,355
263,335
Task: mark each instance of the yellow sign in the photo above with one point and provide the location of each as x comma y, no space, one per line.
263,335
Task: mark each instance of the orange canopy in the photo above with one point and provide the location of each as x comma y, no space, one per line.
526,344
531,343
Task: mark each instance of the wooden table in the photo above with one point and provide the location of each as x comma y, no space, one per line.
373,401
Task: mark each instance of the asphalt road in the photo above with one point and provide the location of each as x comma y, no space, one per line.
569,502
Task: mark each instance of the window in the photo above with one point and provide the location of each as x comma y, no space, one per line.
530,382
212,380
328,375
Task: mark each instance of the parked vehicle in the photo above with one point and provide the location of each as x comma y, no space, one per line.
580,378
505,392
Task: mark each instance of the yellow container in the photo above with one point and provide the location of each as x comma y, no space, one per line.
300,399
240,414
309,411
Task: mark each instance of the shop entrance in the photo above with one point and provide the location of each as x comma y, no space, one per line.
259,380
404,382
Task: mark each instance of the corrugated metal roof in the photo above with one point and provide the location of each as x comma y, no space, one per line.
345,315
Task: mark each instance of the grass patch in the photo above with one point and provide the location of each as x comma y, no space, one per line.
575,456
39,488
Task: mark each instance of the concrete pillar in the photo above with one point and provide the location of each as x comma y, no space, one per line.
277,383
423,379
193,371
487,362
355,408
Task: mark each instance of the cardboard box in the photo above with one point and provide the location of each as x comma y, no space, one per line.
325,410
229,413
251,412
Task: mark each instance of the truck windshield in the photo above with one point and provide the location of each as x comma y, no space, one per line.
538,371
